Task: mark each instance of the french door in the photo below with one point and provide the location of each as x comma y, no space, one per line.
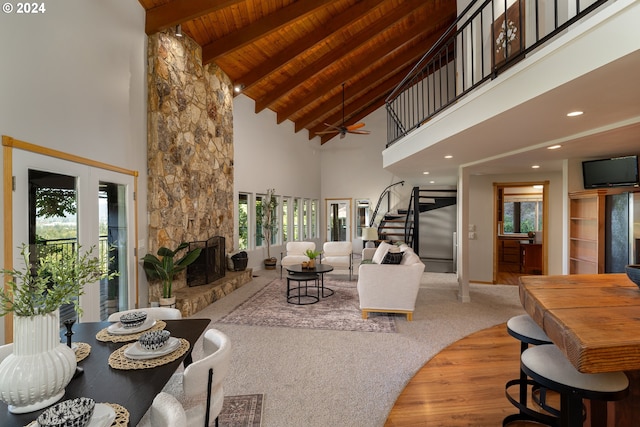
63,205
338,220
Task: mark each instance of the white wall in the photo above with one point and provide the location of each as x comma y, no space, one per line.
481,215
268,155
74,79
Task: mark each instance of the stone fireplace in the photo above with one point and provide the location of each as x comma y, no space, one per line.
210,265
189,151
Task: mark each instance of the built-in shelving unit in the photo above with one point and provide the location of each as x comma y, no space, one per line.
587,230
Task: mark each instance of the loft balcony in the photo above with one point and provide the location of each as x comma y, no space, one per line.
477,96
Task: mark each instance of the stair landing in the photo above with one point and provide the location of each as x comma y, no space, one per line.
192,299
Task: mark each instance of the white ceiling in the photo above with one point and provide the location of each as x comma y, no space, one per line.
609,96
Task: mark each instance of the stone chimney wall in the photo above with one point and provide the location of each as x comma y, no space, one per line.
189,148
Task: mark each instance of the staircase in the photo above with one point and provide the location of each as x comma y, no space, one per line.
403,225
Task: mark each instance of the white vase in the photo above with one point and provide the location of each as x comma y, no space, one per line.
167,302
35,374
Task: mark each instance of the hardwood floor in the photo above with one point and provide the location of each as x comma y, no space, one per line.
463,385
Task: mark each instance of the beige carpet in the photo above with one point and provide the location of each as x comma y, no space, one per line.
320,377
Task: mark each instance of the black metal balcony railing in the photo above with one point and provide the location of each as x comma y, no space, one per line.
481,43
70,246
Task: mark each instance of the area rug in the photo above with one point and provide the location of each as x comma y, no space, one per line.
338,312
241,411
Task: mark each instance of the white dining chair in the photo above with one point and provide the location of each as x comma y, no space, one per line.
166,411
206,376
158,313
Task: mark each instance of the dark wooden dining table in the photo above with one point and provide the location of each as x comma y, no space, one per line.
132,389
595,320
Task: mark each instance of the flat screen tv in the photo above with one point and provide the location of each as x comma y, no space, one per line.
615,172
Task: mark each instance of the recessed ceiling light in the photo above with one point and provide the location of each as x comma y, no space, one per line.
554,147
538,187
448,156
575,113
425,173
432,182
535,167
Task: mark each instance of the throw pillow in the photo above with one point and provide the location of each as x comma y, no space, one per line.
381,251
392,258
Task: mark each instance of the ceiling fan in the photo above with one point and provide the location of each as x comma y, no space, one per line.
343,129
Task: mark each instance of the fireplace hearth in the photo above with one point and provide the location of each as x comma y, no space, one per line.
210,265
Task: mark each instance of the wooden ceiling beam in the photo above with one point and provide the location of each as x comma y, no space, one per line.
403,63
352,110
330,58
178,11
336,24
362,85
260,28
361,63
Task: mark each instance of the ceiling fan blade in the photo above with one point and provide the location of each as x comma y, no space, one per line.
355,126
360,132
326,132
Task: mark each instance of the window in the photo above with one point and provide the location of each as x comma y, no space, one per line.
258,210
362,215
296,219
522,216
314,219
305,219
285,219
243,221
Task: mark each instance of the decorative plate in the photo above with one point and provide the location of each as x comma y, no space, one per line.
118,329
137,352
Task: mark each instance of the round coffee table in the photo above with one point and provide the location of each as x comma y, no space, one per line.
300,295
319,269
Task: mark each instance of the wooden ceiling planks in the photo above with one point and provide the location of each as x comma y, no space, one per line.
293,56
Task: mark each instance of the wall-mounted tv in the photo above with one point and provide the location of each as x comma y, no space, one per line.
615,172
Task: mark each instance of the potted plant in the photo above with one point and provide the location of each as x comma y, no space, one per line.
312,257
269,225
34,295
166,268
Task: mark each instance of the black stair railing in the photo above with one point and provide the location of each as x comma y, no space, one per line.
385,193
480,44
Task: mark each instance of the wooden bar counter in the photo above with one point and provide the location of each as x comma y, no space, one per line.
595,320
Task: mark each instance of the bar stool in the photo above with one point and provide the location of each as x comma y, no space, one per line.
549,367
524,329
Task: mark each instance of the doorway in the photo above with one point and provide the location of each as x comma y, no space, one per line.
520,229
338,220
60,202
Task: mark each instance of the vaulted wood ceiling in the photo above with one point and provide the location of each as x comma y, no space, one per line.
293,56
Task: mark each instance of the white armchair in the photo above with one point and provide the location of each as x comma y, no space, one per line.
339,255
295,254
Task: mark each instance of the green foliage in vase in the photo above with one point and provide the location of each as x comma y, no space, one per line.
312,254
51,281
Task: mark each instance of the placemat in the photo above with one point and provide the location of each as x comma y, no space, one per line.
118,360
82,351
122,415
105,336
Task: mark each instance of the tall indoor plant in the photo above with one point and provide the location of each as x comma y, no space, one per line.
269,225
166,267
34,295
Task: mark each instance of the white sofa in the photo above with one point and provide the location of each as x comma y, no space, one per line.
389,288
339,255
295,254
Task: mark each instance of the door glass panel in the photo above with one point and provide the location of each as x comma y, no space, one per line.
113,242
337,221
53,220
